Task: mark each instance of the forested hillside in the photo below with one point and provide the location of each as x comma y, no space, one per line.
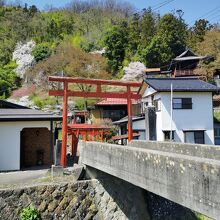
96,39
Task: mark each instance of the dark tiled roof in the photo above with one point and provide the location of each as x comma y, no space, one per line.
6,104
26,115
189,55
190,58
180,84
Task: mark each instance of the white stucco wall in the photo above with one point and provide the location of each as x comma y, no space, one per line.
149,91
10,142
200,117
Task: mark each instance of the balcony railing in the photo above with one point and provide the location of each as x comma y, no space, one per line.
184,73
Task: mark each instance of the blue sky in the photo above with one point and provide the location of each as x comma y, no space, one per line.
193,9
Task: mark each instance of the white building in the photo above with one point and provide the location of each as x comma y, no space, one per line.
26,137
189,115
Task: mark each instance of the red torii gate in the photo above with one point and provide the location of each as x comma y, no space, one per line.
65,92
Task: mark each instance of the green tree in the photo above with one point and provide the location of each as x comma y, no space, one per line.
148,27
134,32
197,32
158,53
116,42
169,42
210,46
8,80
141,29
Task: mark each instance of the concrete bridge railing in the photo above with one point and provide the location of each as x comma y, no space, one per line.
183,173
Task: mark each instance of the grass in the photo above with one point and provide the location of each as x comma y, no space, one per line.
217,116
42,102
202,217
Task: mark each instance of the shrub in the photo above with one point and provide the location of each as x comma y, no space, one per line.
30,213
41,51
42,102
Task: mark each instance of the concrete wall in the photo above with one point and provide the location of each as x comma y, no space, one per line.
10,142
191,181
200,117
196,150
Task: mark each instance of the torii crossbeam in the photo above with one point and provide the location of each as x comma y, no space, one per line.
99,93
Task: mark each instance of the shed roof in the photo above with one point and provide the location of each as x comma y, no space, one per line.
27,115
125,119
180,85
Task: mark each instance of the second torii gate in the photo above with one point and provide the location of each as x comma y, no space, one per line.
99,93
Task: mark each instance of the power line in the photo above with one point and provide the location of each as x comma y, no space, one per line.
159,4
216,17
162,4
213,10
207,14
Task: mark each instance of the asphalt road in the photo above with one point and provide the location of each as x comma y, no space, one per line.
19,177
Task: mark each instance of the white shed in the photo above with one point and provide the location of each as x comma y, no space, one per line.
26,137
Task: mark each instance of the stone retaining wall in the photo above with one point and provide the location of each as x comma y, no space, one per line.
81,200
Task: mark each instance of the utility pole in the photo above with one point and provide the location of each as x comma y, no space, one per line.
171,110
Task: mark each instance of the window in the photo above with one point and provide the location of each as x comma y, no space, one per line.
167,135
114,115
182,103
217,132
157,104
194,137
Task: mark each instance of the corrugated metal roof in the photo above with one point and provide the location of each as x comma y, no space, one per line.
125,119
114,101
124,136
180,84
